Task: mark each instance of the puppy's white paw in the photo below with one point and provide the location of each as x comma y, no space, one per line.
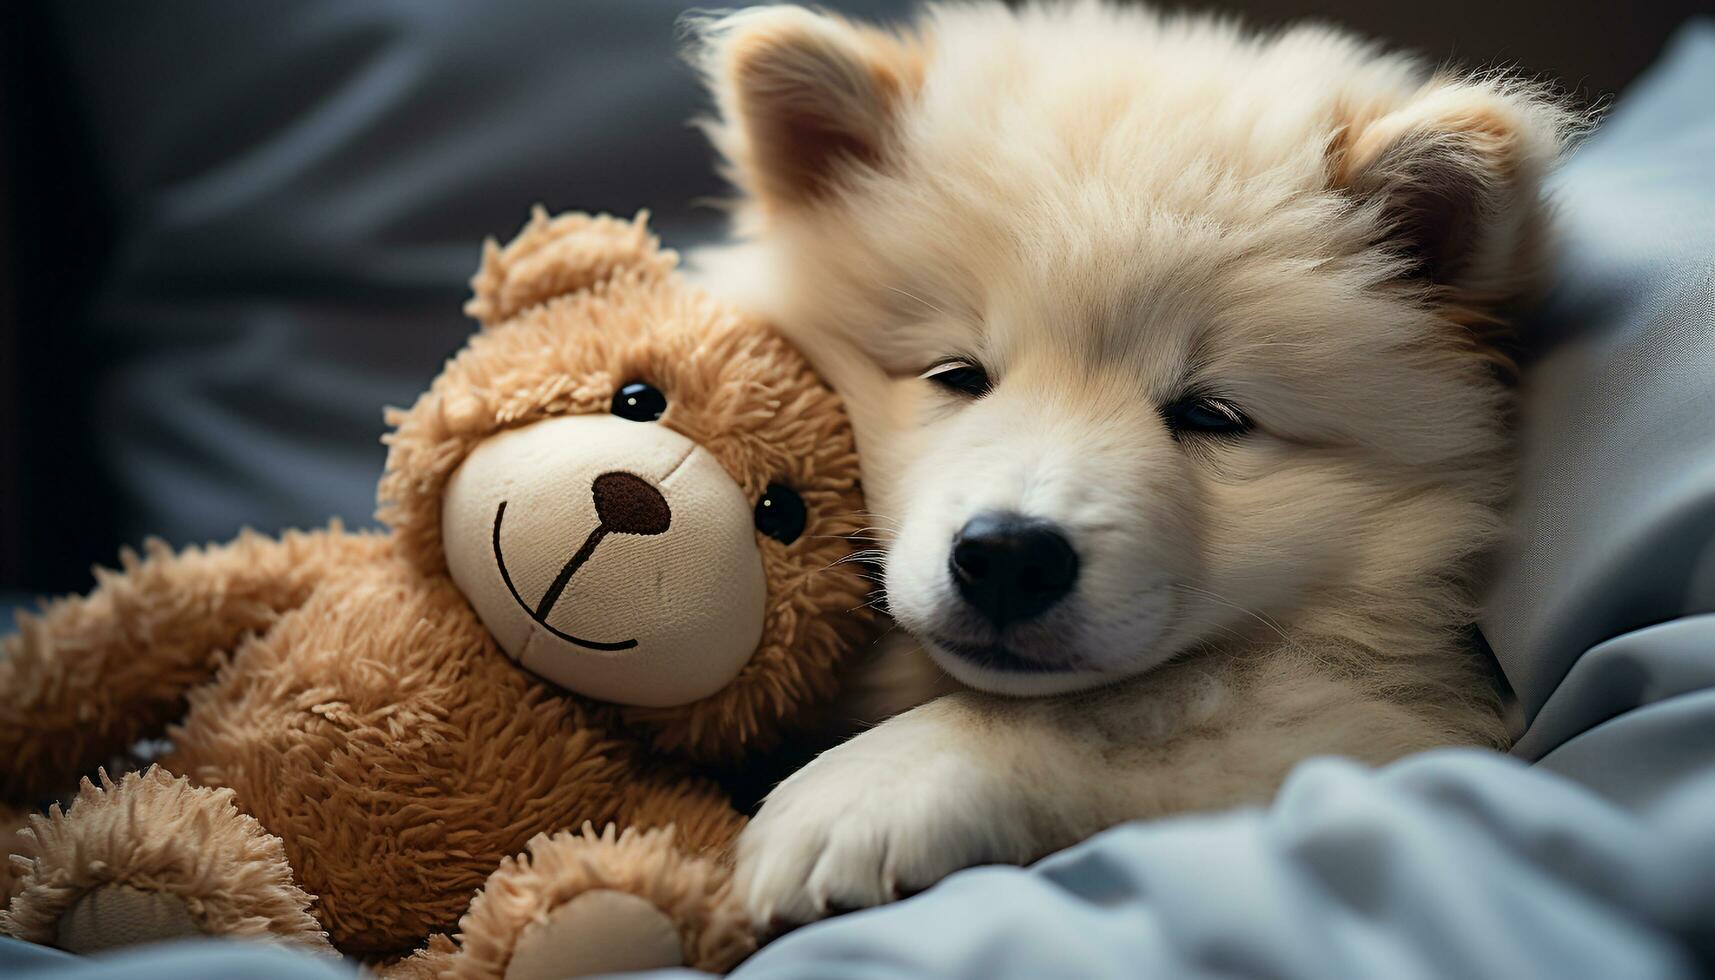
885,815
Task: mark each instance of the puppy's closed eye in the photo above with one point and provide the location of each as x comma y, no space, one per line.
959,376
1198,414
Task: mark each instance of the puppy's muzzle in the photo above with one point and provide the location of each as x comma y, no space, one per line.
1012,568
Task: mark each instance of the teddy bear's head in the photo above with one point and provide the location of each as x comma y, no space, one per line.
647,497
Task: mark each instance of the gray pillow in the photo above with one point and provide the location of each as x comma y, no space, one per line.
302,191
1614,526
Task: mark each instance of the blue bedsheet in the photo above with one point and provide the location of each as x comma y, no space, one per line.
1455,864
1588,853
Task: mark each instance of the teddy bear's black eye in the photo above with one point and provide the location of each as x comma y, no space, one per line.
639,402
780,513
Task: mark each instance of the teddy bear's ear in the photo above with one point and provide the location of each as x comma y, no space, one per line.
556,256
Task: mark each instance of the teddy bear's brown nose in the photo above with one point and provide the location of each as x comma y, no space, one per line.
628,504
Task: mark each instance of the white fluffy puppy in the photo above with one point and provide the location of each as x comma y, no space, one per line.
1177,357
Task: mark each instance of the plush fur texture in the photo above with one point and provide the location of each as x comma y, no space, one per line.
160,834
1114,212
559,868
738,390
383,755
13,820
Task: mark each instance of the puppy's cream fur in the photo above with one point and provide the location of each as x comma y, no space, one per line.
1109,209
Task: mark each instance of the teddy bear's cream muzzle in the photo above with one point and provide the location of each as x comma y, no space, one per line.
614,558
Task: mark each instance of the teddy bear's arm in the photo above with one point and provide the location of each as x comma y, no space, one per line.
656,894
702,816
90,675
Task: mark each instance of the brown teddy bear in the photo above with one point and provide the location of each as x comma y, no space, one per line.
620,485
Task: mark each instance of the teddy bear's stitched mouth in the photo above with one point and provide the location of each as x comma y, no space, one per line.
540,618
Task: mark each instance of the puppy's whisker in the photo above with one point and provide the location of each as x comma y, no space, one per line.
1196,632
873,557
1262,618
847,537
878,604
926,304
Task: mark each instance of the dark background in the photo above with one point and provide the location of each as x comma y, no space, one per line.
229,233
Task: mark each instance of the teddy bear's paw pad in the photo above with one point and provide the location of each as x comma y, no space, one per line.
119,915
601,931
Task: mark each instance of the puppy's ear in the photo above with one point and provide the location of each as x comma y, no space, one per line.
1456,175
803,98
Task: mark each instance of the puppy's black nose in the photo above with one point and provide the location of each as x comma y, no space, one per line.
1010,567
